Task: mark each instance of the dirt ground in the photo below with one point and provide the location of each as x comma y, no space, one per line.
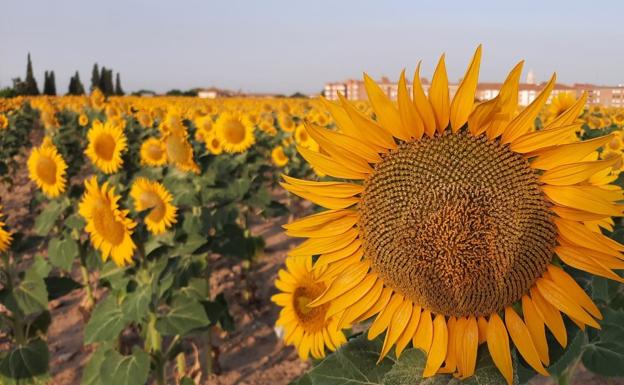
250,355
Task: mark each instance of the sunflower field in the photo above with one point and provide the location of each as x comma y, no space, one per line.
445,240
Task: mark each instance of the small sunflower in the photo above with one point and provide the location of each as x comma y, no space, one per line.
4,122
83,120
234,133
560,103
47,168
5,236
463,212
279,158
309,329
153,152
106,144
152,195
108,226
214,144
180,152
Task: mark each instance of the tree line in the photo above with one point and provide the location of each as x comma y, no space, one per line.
100,78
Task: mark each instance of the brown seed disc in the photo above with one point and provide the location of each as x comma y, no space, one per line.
457,224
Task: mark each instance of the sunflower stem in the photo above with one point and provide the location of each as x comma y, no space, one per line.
90,300
568,374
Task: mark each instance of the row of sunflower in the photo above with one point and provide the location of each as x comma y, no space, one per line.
135,199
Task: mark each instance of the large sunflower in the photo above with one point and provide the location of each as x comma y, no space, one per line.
234,132
152,195
5,236
109,227
309,329
46,168
106,144
463,213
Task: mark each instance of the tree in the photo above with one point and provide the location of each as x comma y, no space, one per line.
49,83
52,83
106,82
75,85
31,87
95,77
118,90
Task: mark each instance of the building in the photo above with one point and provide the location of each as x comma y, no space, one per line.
213,93
527,92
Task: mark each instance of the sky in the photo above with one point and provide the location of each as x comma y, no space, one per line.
286,46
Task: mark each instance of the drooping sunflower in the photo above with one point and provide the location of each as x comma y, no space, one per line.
47,168
309,329
5,236
234,133
463,213
279,158
4,122
83,120
107,142
153,152
214,144
108,226
180,151
154,196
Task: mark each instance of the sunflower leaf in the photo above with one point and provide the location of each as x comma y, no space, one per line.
25,362
125,370
604,354
185,315
106,322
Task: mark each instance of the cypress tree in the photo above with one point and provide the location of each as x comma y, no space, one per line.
78,87
95,77
52,80
46,83
71,90
118,90
31,87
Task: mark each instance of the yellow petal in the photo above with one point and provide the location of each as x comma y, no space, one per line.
316,246
368,128
482,323
523,123
344,157
343,301
412,123
571,114
378,306
439,96
577,234
535,324
507,102
397,326
424,332
343,283
360,307
453,331
575,214
337,227
569,285
498,345
353,248
562,301
587,198
534,141
319,220
347,144
462,104
439,343
574,173
385,111
551,317
328,165
409,331
522,339
385,317
482,116
468,343
422,104
567,153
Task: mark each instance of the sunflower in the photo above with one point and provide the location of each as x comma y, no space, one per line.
234,133
152,195
46,168
109,227
4,122
5,236
618,118
560,103
303,138
309,329
83,120
180,152
279,158
214,144
463,213
106,144
153,152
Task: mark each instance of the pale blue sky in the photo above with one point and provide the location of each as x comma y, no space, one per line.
285,46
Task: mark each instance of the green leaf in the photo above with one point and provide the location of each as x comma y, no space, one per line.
31,294
353,363
185,315
106,322
218,313
409,368
27,361
125,370
136,304
75,221
604,354
91,373
62,252
47,219
60,286
576,341
197,288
